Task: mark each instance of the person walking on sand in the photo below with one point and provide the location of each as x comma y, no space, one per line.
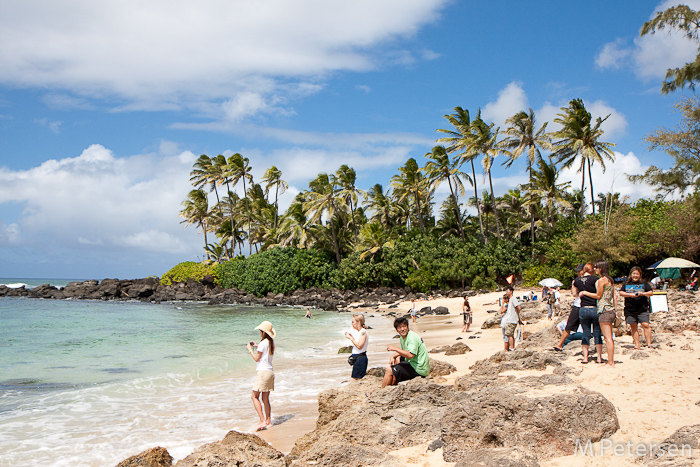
409,360
360,340
467,314
588,314
413,310
265,378
606,307
636,294
511,318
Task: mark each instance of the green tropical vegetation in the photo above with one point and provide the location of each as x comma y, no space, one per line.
335,235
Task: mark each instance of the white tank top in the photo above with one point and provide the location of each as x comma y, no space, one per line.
356,335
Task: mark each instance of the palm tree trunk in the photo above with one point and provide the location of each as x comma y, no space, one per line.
354,226
420,212
532,212
583,187
478,207
335,242
204,230
493,206
459,216
590,180
247,209
277,188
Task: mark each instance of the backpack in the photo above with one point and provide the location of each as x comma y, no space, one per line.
551,298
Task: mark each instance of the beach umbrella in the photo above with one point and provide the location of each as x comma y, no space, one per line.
550,282
670,268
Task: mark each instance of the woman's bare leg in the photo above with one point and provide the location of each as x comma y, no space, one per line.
268,408
606,329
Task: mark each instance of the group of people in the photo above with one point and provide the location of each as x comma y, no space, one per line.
595,309
407,361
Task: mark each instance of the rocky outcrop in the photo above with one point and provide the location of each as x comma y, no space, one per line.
155,457
236,449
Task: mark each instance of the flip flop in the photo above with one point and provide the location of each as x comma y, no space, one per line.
584,363
558,349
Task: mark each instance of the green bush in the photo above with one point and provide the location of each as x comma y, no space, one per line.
187,270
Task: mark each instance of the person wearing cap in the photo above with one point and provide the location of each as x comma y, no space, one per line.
265,378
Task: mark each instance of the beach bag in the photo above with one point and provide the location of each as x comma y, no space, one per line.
353,358
551,298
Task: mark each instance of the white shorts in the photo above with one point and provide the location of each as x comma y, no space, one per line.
264,381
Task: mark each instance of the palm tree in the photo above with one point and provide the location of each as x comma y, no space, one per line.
273,177
459,140
484,142
545,188
411,184
373,239
381,205
522,138
195,210
324,198
440,169
345,178
578,140
514,203
238,169
294,229
203,173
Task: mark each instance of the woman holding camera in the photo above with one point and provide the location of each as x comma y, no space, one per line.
265,378
636,294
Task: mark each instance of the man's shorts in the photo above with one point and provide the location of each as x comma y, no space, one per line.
403,371
573,322
467,318
637,318
510,329
264,381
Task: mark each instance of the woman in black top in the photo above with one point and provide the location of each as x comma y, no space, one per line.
636,294
588,313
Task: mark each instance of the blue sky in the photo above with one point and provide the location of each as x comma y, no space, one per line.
104,106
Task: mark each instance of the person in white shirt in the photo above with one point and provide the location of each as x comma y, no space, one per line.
511,318
360,340
265,378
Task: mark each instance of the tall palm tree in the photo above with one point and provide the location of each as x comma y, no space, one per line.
294,229
345,178
238,169
195,210
484,142
514,203
410,183
547,189
381,205
523,138
204,173
324,198
577,140
439,169
273,177
459,140
374,238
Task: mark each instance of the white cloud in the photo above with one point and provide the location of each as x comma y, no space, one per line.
55,126
511,100
614,179
9,234
652,54
166,55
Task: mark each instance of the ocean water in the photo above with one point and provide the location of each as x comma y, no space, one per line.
91,383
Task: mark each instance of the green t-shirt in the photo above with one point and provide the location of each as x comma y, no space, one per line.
414,344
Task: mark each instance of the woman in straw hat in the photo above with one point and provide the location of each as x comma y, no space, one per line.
265,379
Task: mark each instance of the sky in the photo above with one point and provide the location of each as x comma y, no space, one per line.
105,106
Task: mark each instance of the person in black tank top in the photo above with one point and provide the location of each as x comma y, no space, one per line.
588,314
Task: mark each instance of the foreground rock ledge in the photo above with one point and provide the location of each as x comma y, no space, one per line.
500,420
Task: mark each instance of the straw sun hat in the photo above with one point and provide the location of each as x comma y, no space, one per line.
267,328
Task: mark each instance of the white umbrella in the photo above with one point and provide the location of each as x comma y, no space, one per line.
550,282
679,263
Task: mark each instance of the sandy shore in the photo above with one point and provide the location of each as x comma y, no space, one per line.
653,396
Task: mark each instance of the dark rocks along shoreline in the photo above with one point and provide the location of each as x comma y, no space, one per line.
150,290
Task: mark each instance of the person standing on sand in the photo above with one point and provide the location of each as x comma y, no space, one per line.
511,318
606,307
467,314
265,378
636,294
588,314
360,340
413,310
408,361
573,323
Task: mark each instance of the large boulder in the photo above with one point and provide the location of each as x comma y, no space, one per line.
154,457
235,450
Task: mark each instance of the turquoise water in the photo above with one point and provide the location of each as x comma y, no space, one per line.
91,382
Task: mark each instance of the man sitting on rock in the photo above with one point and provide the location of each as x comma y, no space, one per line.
410,360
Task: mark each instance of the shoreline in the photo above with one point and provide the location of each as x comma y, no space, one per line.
644,386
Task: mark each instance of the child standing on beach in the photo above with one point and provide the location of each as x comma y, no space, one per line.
265,378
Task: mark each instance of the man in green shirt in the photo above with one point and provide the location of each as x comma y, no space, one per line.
410,360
